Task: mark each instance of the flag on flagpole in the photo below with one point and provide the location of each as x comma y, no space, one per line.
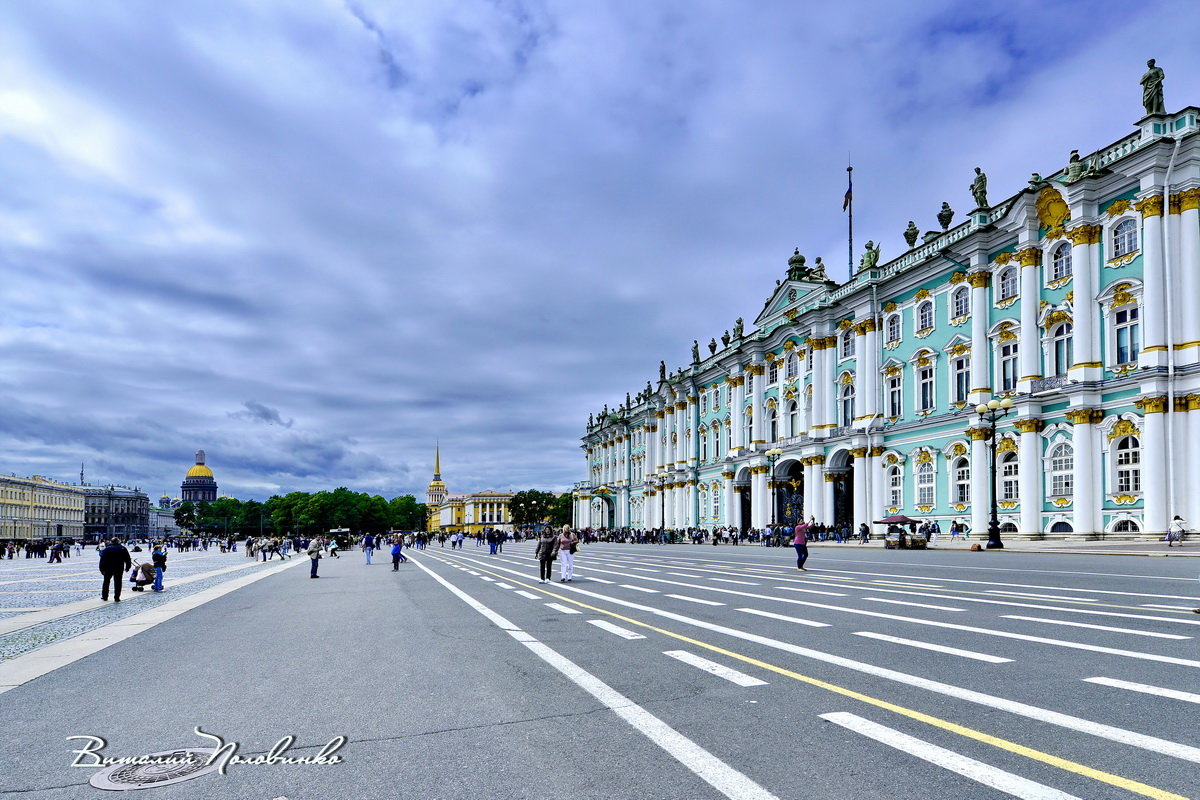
849,190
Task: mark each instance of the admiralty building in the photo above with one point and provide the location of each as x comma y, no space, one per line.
1078,298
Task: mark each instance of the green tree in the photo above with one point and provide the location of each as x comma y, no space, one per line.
185,516
407,514
531,506
560,510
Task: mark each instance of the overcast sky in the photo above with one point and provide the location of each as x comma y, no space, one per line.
313,237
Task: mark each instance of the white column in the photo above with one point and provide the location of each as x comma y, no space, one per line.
826,515
1187,268
1087,479
681,422
1190,500
1154,466
728,500
735,510
810,484
828,365
1031,469
693,425
817,421
1154,292
737,411
758,493
868,372
862,503
981,496
1085,311
681,502
757,379
981,360
878,488
1030,353
693,493
622,515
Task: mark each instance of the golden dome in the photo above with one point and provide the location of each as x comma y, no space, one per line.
199,471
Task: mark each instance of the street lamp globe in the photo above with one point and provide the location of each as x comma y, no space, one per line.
981,408
993,404
1006,403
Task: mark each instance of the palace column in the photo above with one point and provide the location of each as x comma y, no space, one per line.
827,498
681,504
981,358
693,424
758,488
1154,290
868,373
981,495
816,422
1086,498
622,516
1154,465
737,411
735,510
828,366
878,486
1029,356
689,515
1085,312
728,499
1190,500
1030,469
861,500
817,509
757,434
1187,267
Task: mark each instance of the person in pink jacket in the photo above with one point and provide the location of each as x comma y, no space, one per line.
566,553
800,542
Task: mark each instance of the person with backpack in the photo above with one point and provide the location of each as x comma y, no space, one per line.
398,553
314,553
1176,531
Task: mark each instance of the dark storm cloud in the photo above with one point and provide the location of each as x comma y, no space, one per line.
393,223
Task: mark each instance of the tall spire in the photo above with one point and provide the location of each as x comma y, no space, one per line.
437,462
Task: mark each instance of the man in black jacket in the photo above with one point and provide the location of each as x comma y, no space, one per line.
114,562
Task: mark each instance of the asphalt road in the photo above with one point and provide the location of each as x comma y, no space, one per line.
659,672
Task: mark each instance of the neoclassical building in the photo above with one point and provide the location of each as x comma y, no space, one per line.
199,485
1077,297
469,513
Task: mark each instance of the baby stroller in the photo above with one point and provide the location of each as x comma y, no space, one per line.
141,577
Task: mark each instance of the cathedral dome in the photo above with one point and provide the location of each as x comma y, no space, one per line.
199,471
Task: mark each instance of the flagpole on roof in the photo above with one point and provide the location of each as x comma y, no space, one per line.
848,205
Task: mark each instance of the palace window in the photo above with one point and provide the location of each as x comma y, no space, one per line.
748,428
703,401
962,481
1129,464
925,484
848,344
1008,366
925,316
1124,238
1125,526
793,416
703,445
1125,326
893,328
961,369
716,503
1060,262
772,424
1009,477
895,394
793,366
925,388
962,302
808,359
772,372
1062,349
703,501
728,435
848,404
895,487
1062,470
1008,283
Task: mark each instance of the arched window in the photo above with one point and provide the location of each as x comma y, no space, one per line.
962,481
793,365
1008,283
847,344
848,404
773,371
772,424
728,434
703,401
1060,262
793,418
1124,238
703,501
1061,527
1062,470
925,484
925,316
1062,348
1129,464
1008,527
895,487
1009,476
716,503
893,328
1125,526
962,302
703,445
747,420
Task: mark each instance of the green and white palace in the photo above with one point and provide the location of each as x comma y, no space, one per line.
1078,298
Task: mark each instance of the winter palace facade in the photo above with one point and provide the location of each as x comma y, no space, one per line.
1078,298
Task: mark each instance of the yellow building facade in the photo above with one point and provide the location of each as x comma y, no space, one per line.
40,508
468,513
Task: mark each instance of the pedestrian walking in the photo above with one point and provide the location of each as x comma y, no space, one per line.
158,557
397,554
800,542
114,560
314,553
546,551
567,543
368,546
864,533
1176,531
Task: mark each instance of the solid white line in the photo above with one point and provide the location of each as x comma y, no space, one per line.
911,603
812,591
530,595
643,569
967,767
563,609
722,777
1174,694
720,670
898,583
785,618
1171,608
684,575
639,588
695,600
954,651
1097,627
1042,596
743,583
624,633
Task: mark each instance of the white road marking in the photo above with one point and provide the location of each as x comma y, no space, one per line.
563,609
624,633
643,569
967,767
1043,596
785,618
598,580
695,600
684,575
505,585
743,583
721,776
1097,627
472,572
639,588
911,585
911,603
489,580
954,651
1171,608
1174,694
530,595
720,670
811,591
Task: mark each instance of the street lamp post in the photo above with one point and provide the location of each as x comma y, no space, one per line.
772,456
990,413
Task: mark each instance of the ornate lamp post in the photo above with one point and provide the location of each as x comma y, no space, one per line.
990,413
772,456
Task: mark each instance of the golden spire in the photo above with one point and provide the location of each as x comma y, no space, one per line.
437,462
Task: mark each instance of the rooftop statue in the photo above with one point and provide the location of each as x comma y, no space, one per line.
979,188
945,215
695,352
738,328
911,233
818,271
712,346
662,371
1152,89
1075,167
870,258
